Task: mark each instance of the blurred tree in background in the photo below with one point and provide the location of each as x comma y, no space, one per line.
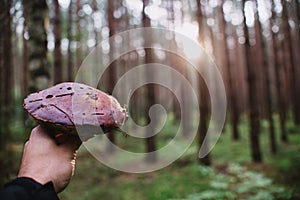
6,87
36,17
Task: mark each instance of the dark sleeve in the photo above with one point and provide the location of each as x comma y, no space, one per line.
27,189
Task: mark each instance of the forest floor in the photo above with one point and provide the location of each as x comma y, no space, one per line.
231,176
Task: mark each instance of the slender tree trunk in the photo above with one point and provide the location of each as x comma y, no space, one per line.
78,35
257,51
232,101
281,104
3,125
97,50
186,108
175,105
171,60
180,65
2,91
203,127
70,38
96,33
112,68
2,73
57,50
8,62
292,65
203,94
266,73
25,72
297,5
36,13
5,86
150,91
253,102
8,66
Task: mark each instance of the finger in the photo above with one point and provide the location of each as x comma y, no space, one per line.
39,133
60,138
73,142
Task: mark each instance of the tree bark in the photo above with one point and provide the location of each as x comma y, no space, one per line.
289,58
232,101
25,71
297,5
24,86
6,65
78,36
70,67
180,64
36,13
57,49
5,86
95,9
203,94
111,81
171,60
268,95
281,103
253,101
150,91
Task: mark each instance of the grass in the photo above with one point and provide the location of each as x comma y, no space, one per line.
277,178
232,175
105,183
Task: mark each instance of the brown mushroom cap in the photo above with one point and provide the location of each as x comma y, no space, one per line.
68,105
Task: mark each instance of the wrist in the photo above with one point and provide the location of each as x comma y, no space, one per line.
33,176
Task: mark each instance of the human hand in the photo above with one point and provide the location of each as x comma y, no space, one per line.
43,160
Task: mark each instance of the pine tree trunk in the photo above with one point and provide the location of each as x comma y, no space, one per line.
70,38
281,104
24,86
112,68
258,65
297,16
253,102
290,59
5,87
203,127
57,50
2,72
150,91
203,95
296,45
268,95
36,13
25,72
96,33
185,98
182,114
172,60
6,65
232,100
78,36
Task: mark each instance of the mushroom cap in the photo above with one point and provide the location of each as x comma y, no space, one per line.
68,105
